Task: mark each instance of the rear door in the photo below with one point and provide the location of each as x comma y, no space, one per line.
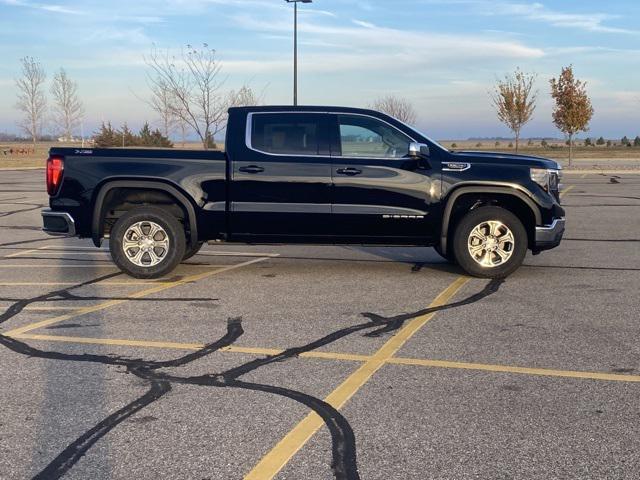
281,177
380,194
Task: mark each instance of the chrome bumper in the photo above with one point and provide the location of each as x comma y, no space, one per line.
58,223
550,236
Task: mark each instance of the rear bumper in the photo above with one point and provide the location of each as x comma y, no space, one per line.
58,223
549,236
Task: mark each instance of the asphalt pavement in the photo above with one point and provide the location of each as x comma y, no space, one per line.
320,362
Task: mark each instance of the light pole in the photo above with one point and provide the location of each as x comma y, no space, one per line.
295,46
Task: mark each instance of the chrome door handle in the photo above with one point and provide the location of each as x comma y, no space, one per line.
349,171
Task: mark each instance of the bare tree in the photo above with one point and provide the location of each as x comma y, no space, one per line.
195,84
573,111
515,101
245,97
68,109
396,107
32,101
163,103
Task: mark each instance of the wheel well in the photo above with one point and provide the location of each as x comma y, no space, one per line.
470,201
120,200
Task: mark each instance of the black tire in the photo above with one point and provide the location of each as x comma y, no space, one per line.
517,248
190,252
449,256
171,257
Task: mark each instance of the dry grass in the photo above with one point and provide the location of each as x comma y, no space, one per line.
21,155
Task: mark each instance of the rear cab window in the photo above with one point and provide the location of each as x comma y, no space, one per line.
287,133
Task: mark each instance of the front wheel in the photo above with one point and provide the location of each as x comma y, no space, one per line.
490,242
147,242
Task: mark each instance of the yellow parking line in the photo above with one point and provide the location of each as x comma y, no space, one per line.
22,252
140,294
567,190
419,362
280,455
187,346
521,370
68,284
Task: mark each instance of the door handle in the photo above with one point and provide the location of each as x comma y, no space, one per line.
349,171
251,169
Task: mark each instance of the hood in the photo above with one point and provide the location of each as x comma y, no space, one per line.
505,158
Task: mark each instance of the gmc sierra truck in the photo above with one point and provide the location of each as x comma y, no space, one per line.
320,175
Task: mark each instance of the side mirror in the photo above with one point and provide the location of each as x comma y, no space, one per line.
418,150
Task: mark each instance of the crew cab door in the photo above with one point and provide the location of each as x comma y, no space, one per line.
380,194
281,177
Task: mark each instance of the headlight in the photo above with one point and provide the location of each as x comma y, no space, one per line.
546,178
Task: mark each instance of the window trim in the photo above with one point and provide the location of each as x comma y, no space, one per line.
338,114
249,132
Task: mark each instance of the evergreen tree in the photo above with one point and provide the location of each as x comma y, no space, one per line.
636,141
625,141
600,141
106,136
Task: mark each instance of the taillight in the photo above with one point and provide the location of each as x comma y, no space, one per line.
55,168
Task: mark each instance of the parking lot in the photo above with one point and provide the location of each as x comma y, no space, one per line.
305,362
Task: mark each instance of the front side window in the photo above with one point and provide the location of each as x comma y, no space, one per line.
285,133
369,137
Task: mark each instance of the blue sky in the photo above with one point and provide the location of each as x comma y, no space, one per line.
443,55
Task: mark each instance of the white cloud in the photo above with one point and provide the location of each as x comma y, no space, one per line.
591,22
43,6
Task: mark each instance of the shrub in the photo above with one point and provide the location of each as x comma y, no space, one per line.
108,137
600,141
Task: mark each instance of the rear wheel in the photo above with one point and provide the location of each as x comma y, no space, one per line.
192,251
147,242
490,242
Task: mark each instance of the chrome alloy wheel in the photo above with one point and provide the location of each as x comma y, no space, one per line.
491,244
145,244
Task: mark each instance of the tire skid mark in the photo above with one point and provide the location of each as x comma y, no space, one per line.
344,456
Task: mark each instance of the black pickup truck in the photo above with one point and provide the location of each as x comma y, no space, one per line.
322,175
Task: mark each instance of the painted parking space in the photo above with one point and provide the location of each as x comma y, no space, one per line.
236,365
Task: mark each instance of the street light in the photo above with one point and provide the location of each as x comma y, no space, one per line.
295,46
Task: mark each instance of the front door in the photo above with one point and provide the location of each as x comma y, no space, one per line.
380,194
281,177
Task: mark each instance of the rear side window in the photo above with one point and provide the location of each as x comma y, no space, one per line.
285,133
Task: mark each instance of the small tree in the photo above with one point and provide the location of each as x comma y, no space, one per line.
600,141
515,101
106,136
573,111
32,101
636,141
68,110
588,142
396,107
544,143
624,141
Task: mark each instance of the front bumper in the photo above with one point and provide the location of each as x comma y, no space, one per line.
58,223
549,236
